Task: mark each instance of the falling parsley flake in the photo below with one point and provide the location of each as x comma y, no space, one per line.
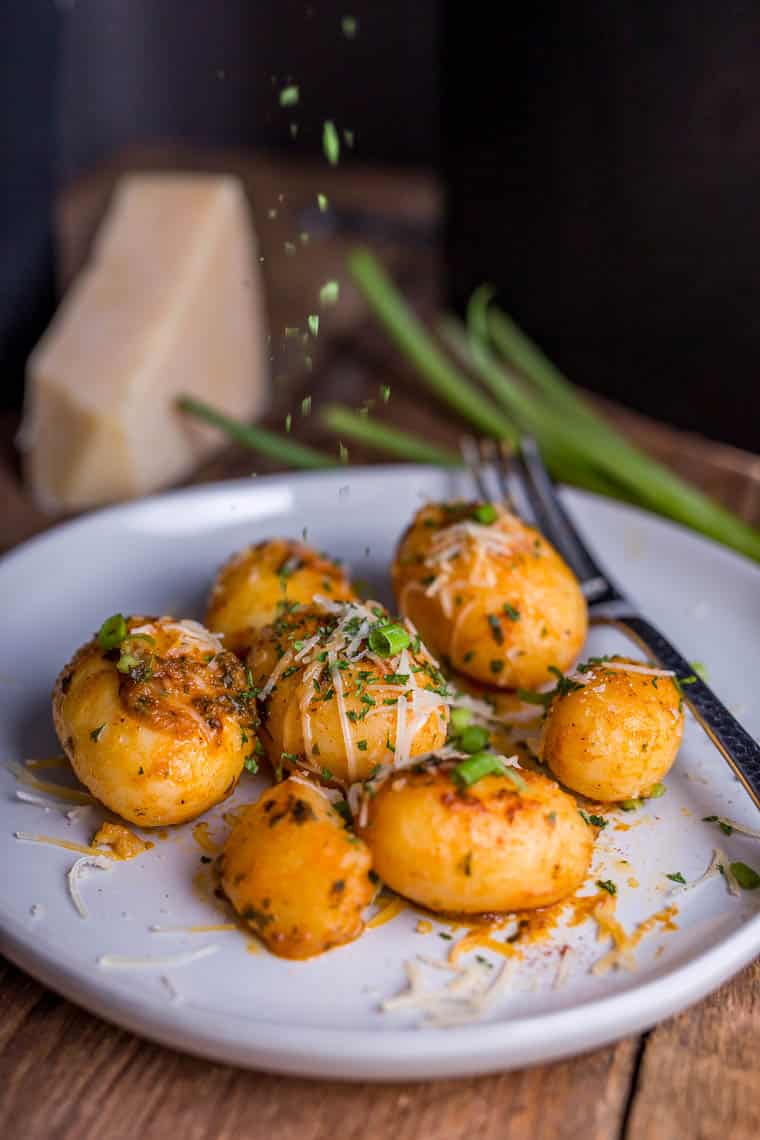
385,393
306,409
289,96
342,452
329,293
322,202
349,26
288,422
313,323
331,142
607,885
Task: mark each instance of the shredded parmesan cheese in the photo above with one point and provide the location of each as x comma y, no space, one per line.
75,874
470,994
165,962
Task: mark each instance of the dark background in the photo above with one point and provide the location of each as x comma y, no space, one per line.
602,160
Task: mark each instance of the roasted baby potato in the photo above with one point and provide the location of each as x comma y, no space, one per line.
345,690
618,734
295,873
156,718
489,594
251,588
507,842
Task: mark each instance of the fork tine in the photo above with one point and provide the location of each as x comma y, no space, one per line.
557,525
473,462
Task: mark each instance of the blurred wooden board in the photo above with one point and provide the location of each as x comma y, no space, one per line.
68,1075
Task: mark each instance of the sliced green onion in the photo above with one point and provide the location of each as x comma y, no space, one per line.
474,738
391,440
459,719
388,640
485,513
259,439
112,632
128,661
476,767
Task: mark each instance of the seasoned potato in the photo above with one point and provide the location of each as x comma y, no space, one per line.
295,873
492,596
155,718
335,701
618,735
495,846
250,589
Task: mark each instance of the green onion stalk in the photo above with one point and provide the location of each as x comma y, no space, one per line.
527,393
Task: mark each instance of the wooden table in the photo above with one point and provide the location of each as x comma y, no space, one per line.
65,1074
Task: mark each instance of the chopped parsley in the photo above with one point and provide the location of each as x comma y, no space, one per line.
676,877
594,820
726,828
497,633
747,878
97,732
512,613
607,885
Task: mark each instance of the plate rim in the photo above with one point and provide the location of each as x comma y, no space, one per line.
393,1053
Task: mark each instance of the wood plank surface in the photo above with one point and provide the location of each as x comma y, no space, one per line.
65,1075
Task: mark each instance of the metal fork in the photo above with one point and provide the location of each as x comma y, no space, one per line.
524,482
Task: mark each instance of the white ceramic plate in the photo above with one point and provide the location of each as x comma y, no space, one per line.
322,1017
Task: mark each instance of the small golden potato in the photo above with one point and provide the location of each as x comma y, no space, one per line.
332,703
494,846
492,597
617,736
250,589
295,873
156,719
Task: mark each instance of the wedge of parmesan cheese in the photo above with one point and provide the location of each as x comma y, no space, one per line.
169,303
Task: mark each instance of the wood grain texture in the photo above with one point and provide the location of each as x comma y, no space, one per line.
699,1075
65,1075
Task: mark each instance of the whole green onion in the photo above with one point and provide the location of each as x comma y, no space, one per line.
431,362
260,439
112,632
402,444
649,482
388,640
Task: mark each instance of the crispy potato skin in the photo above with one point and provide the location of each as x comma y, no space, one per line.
465,620
295,873
616,737
164,749
487,849
250,587
295,708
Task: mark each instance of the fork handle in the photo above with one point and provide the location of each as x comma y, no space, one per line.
736,744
